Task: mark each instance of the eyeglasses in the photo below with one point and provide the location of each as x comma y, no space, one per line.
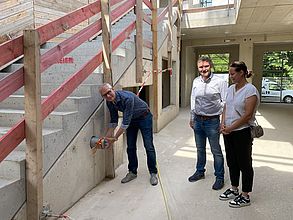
107,93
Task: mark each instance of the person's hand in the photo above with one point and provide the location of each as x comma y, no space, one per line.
191,124
225,130
110,140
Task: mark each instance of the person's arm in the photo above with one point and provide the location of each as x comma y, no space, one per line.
192,106
112,124
223,91
250,104
222,124
127,115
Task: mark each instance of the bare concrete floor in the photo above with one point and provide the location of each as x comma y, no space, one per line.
272,196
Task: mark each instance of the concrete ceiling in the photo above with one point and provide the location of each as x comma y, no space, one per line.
254,17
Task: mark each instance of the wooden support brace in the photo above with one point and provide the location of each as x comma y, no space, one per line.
107,51
107,45
155,62
33,125
170,34
139,41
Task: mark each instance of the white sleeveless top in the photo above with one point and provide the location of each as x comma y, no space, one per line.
235,104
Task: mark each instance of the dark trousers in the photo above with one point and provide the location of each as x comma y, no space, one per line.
145,125
238,146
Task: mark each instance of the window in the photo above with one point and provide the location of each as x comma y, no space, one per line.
205,3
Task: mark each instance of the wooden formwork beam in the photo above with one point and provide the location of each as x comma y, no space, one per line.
107,52
170,6
139,41
155,63
33,125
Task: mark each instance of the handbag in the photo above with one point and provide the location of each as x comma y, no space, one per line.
256,131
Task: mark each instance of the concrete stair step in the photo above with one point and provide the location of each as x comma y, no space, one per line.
10,117
12,196
71,103
11,68
12,185
88,89
52,141
60,76
49,137
13,166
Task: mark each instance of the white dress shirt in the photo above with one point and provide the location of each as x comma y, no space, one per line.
208,97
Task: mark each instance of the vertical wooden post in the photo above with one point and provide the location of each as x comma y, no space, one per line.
139,41
169,45
155,62
107,50
107,45
33,125
178,25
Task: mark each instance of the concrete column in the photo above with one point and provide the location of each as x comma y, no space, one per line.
246,52
187,74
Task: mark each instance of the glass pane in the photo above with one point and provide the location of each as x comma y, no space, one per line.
277,83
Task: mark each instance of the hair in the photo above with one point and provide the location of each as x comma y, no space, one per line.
207,59
107,85
240,65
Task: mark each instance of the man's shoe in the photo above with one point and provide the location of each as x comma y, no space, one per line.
154,179
229,194
195,177
239,202
219,183
129,176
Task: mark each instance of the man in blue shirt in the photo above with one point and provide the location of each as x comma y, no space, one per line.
136,116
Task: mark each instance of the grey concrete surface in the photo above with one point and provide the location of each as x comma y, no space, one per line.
273,183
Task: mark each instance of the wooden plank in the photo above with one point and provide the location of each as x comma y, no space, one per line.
148,3
59,95
11,50
64,6
170,25
155,63
13,18
11,83
15,11
11,139
107,46
123,35
55,54
162,14
60,25
33,125
114,2
66,88
139,41
10,4
147,19
148,44
118,12
107,52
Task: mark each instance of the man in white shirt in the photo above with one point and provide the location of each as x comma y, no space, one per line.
207,101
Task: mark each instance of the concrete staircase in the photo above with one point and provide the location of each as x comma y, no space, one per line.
66,121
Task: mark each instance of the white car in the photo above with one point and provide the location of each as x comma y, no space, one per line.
272,92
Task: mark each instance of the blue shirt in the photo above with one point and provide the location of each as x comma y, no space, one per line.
127,102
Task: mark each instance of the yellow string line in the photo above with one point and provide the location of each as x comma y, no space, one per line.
164,194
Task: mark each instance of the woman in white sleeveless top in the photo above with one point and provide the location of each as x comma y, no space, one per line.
239,114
